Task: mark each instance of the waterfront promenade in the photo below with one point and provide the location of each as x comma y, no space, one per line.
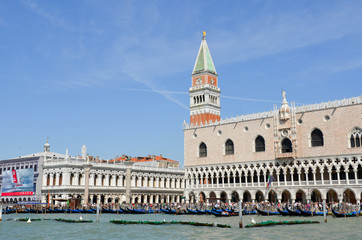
335,228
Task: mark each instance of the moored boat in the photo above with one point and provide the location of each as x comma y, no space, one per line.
225,214
283,212
310,213
342,215
294,212
266,212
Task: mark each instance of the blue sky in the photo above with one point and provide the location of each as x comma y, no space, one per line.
114,75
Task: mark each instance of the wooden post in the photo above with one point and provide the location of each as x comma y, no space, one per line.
358,208
1,212
97,213
240,215
324,211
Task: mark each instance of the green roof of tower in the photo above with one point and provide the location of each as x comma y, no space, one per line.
204,61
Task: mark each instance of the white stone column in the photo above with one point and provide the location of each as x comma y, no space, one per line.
258,177
322,176
278,172
51,179
99,180
168,183
151,181
314,177
76,179
91,179
347,177
114,179
45,178
133,181
355,176
299,178
330,176
106,180
173,185
162,182
57,179
338,177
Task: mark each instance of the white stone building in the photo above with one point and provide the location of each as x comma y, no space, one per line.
313,152
64,178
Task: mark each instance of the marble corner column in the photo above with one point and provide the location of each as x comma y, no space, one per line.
86,185
128,181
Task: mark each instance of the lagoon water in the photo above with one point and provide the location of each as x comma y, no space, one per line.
336,228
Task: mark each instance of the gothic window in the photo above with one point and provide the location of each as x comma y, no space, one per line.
202,150
287,146
259,144
356,138
229,147
317,138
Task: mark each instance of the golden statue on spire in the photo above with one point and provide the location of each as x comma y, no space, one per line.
203,34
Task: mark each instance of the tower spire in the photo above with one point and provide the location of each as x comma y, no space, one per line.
204,92
204,61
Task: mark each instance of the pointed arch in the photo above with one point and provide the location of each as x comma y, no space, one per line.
202,150
259,144
355,138
287,146
229,147
316,138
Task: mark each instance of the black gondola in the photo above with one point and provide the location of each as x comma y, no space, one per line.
266,213
283,212
294,213
342,215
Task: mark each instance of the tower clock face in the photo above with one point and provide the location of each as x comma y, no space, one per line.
198,81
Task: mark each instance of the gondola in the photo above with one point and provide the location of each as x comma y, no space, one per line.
225,214
202,212
81,210
294,213
125,210
208,211
190,211
59,210
89,211
177,212
72,210
167,211
250,212
310,213
283,212
137,211
342,215
266,213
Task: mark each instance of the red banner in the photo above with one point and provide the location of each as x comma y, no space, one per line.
15,178
17,193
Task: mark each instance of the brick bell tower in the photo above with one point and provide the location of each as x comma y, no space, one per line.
204,91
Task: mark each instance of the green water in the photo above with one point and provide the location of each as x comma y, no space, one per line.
336,228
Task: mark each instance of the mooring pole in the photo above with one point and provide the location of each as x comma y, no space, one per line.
97,213
240,215
1,212
324,211
358,208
